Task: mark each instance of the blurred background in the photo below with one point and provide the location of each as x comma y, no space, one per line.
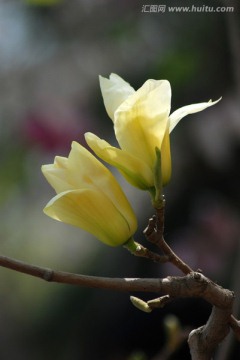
51,53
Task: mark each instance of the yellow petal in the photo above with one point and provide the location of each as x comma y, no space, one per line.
132,168
93,212
60,162
82,170
177,115
153,93
56,174
140,122
89,172
114,91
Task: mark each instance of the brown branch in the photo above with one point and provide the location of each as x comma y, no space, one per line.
225,350
192,285
119,284
154,234
202,341
235,325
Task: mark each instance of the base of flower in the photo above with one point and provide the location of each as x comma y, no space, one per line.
132,246
139,250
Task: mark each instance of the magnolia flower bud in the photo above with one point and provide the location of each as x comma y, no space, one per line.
88,196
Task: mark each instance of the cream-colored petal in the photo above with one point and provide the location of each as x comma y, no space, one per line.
132,168
93,212
140,122
115,90
89,172
84,169
60,162
57,178
80,169
177,115
154,93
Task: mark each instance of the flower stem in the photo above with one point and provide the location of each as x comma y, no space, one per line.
138,250
154,234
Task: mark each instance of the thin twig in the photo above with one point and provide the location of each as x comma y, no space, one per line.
154,234
139,250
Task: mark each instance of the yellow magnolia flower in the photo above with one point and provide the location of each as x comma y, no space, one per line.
88,196
142,124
